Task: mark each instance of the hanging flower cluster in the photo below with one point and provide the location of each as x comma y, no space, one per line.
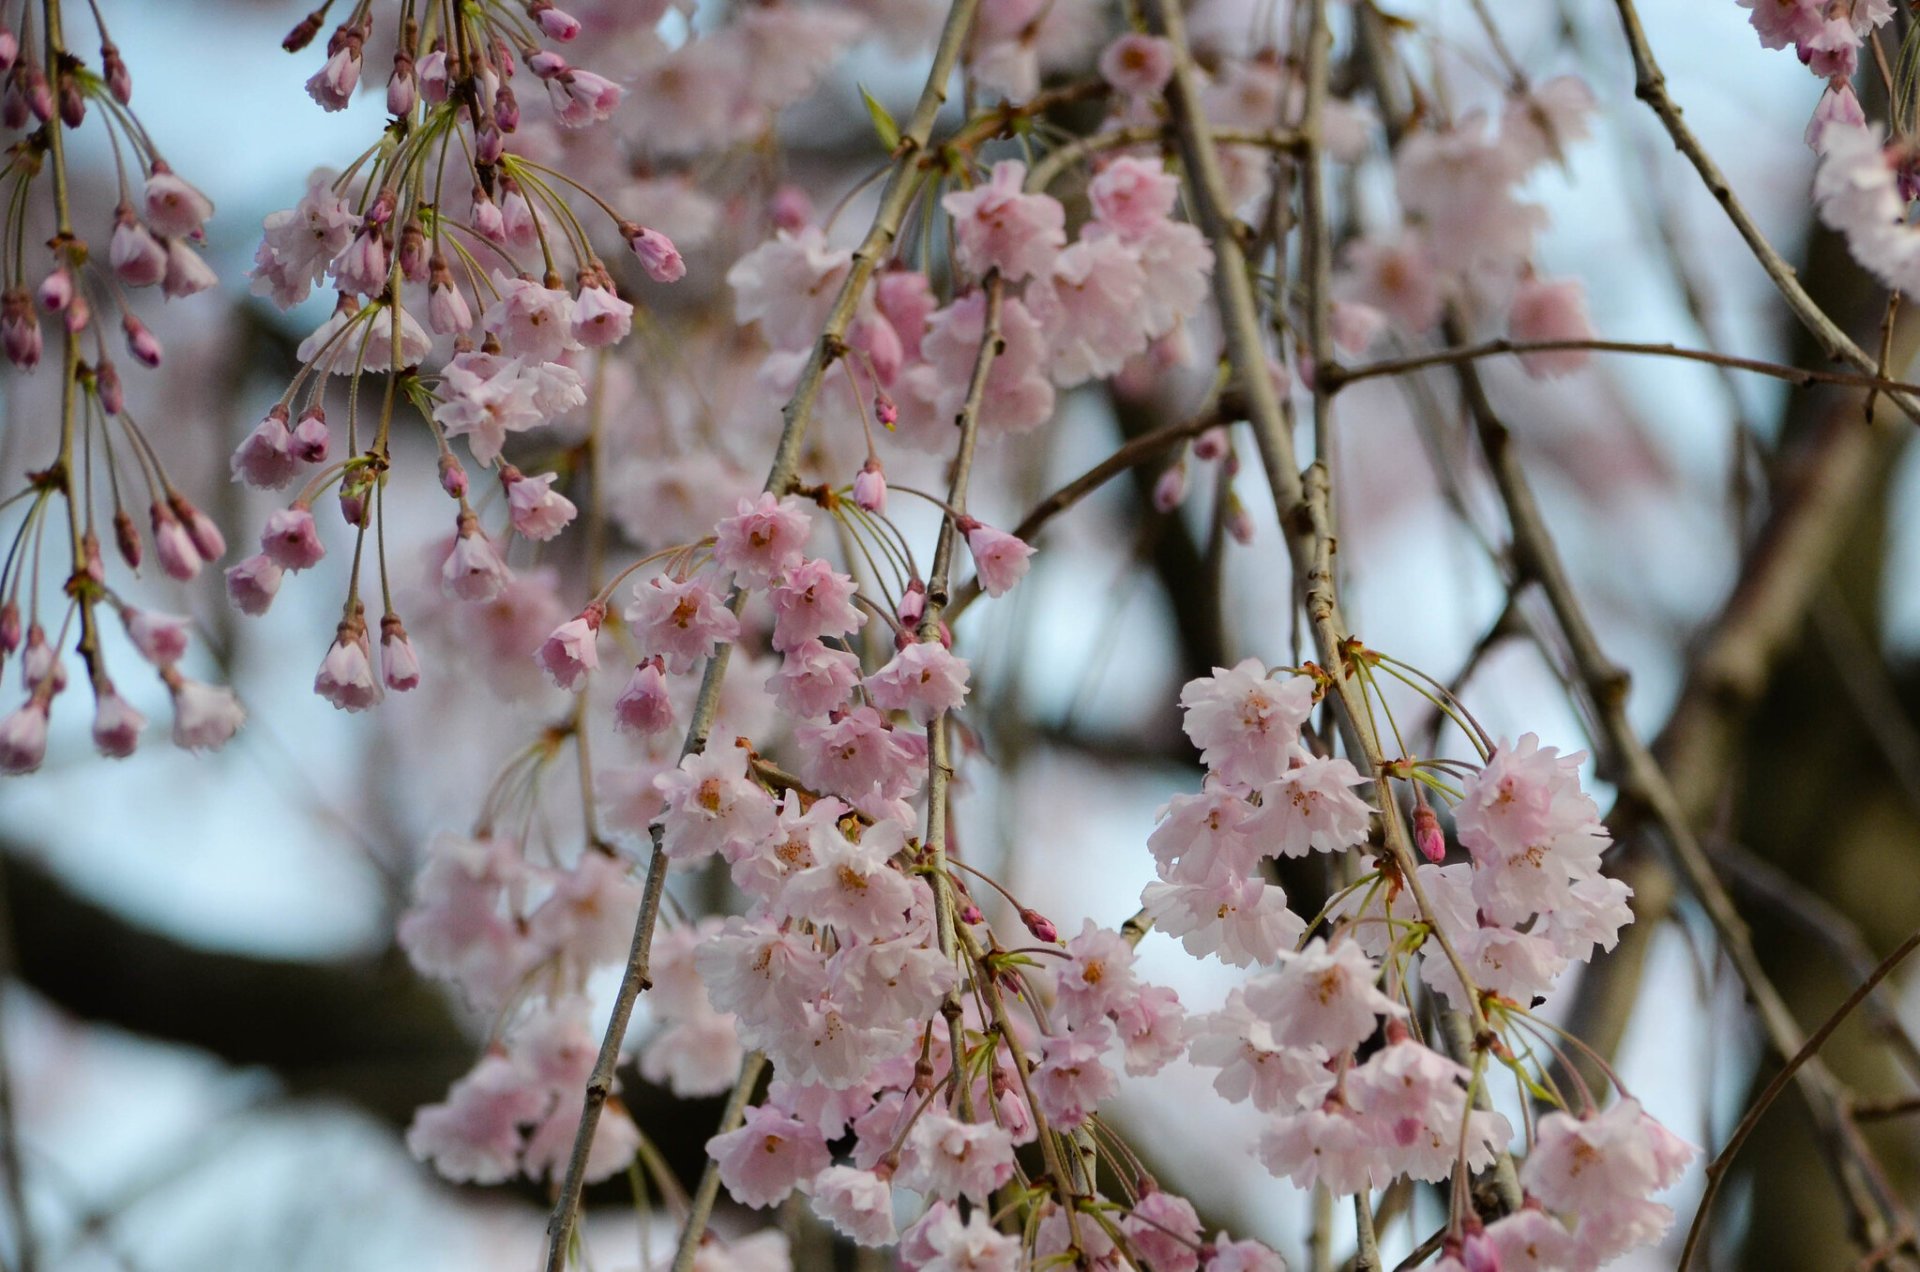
444,217
150,236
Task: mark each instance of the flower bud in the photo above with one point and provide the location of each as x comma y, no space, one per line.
141,343
399,666
1427,835
1040,925
870,487
657,254
126,537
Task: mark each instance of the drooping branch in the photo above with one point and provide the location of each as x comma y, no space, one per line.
903,181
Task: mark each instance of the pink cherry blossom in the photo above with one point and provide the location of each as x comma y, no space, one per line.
712,806
947,1158
999,559
1070,1082
346,677
814,679
1245,722
681,620
476,1135
813,600
769,1156
1322,995
997,226
1550,309
573,649
858,1203
1137,65
535,508
763,539
924,679
1311,808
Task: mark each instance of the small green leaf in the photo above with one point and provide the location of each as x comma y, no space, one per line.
882,120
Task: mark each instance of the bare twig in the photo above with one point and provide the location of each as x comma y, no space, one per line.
1717,1169
1340,376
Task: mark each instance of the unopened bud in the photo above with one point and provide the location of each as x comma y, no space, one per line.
1040,925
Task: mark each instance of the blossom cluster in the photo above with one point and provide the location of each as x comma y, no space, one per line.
151,240
1293,1040
397,238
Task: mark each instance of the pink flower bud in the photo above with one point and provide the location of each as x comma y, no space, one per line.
489,144
399,666
447,310
1427,835
644,706
178,557
160,638
205,717
141,343
970,914
885,411
106,383
73,102
1239,520
9,627
252,584
473,570
20,330
311,439
657,254
1211,444
1170,491
402,87
207,539
413,252
1040,925
126,537
42,665
870,487
558,25
113,69
913,604
137,257
999,559
173,206
346,676
264,459
355,507
453,478
433,77
547,64
79,314
56,290
791,209
9,48
506,109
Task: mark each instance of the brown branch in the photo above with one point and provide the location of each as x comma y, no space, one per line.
1135,451
1650,86
1338,377
1717,1168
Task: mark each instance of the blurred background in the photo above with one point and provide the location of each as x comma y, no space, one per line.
212,1046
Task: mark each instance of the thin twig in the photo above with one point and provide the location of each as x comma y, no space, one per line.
1717,1169
1340,376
